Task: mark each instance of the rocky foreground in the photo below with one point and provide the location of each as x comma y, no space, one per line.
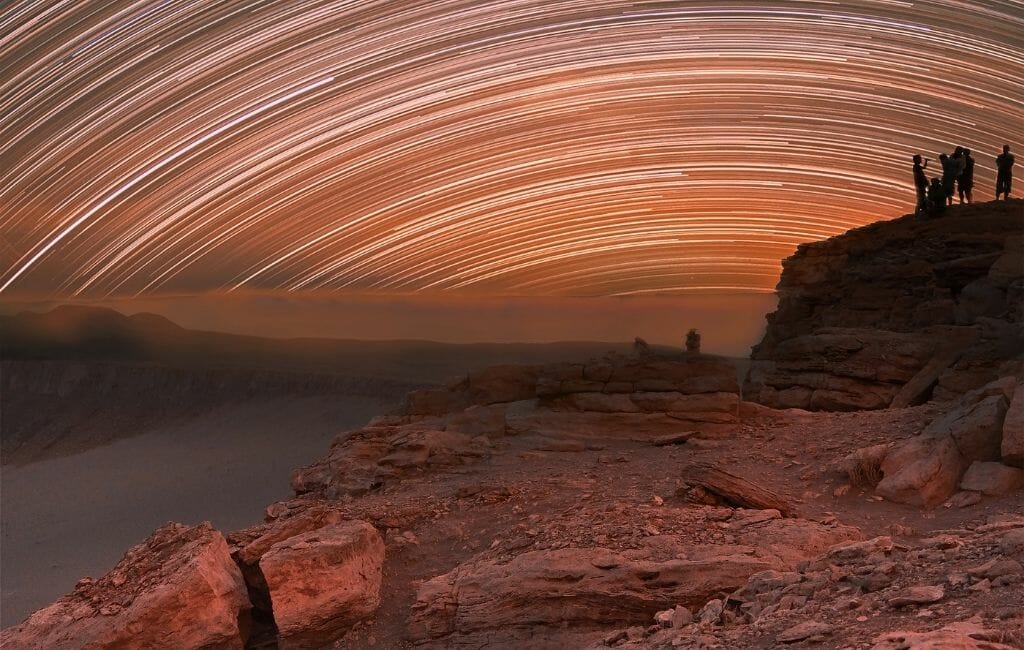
631,501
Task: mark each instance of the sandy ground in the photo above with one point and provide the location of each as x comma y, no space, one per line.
65,518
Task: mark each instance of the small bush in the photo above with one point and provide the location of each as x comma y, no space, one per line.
865,471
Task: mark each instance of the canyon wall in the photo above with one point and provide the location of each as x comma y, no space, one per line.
896,313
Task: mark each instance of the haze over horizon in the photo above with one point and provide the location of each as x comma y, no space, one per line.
595,148
730,324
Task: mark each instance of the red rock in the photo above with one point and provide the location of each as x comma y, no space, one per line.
965,635
323,581
583,587
920,595
992,478
921,471
564,587
178,589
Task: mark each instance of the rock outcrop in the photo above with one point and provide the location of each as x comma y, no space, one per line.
926,469
592,587
896,312
703,387
832,598
178,589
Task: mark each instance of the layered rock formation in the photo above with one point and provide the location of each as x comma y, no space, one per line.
591,587
896,312
611,384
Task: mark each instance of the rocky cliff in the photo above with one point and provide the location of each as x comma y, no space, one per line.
897,312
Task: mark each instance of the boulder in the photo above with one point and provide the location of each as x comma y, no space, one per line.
976,428
921,471
323,581
178,589
992,478
1012,448
925,470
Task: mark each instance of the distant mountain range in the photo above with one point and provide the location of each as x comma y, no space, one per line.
104,335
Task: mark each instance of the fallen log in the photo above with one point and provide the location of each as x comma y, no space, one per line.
736,491
673,439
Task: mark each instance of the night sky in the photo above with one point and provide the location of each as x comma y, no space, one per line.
507,147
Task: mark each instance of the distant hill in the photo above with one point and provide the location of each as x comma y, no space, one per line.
98,334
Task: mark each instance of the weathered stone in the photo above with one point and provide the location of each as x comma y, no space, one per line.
975,427
365,459
323,581
1012,448
992,478
805,630
565,588
185,592
1012,542
922,471
711,613
251,544
920,595
965,635
996,568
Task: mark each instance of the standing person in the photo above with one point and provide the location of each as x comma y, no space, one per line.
936,197
950,170
1004,172
965,184
920,183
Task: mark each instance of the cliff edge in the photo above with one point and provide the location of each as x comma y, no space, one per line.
896,313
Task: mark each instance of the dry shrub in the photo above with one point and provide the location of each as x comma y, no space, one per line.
865,471
864,466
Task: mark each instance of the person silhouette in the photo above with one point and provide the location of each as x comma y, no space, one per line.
965,183
950,170
936,197
1004,172
920,183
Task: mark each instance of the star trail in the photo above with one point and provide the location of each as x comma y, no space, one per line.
513,147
